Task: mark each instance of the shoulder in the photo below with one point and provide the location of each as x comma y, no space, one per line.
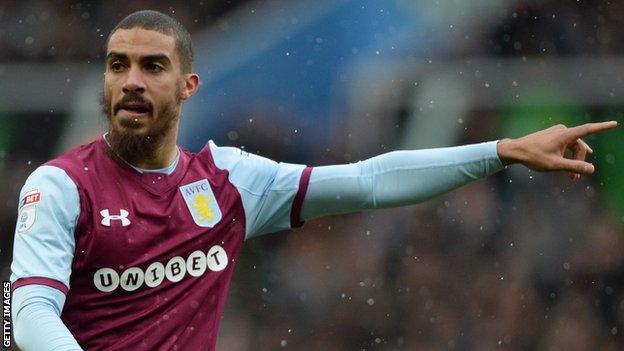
46,185
48,177
78,155
79,159
48,193
245,170
232,158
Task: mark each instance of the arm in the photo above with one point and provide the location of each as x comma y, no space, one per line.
36,311
397,178
277,196
407,177
268,189
42,257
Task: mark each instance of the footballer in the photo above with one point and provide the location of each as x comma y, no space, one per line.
129,242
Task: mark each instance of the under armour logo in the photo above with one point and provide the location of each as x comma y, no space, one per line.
122,216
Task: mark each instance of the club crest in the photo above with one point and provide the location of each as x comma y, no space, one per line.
201,202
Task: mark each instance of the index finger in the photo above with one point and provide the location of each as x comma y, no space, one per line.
590,128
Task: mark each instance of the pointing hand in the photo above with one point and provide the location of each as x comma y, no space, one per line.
544,150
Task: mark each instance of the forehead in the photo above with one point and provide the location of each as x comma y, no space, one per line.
141,42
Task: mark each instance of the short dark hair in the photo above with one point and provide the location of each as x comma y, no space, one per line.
158,21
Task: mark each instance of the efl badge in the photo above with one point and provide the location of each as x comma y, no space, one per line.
28,210
201,201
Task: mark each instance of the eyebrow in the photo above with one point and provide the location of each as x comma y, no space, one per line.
113,55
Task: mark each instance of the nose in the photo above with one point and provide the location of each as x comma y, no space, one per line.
134,81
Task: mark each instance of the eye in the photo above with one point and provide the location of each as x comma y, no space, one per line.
154,68
116,66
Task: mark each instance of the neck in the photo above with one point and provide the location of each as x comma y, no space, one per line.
163,156
145,152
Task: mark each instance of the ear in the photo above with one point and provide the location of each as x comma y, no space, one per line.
191,85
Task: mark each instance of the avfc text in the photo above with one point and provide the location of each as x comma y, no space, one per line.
196,264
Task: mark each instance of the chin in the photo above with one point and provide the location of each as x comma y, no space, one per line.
129,124
131,129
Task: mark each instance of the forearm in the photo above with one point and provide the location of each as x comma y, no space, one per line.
397,178
36,319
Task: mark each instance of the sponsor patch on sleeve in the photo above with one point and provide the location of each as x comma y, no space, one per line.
27,213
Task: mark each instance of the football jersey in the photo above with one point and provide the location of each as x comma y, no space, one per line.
150,256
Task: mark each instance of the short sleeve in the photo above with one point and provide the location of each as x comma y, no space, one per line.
44,243
272,193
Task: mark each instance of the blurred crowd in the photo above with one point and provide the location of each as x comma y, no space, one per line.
61,30
515,263
519,261
73,30
560,28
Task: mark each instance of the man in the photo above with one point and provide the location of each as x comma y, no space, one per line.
129,242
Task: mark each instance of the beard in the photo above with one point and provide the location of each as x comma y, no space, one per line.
129,144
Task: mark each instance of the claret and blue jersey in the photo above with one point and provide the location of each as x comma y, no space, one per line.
138,259
145,258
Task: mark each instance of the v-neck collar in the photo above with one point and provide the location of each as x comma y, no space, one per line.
155,183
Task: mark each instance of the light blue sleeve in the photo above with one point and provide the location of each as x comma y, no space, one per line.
397,178
36,321
43,251
267,188
44,235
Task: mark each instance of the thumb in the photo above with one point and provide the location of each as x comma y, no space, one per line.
575,166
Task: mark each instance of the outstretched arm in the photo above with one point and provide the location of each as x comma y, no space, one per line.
407,177
396,178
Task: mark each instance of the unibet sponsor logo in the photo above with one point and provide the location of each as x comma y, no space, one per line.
108,280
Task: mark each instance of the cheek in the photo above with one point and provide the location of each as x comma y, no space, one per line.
112,83
108,89
165,94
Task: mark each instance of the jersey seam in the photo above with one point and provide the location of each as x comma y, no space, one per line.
213,162
44,276
264,195
75,221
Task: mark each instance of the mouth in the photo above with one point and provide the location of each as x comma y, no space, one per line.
133,111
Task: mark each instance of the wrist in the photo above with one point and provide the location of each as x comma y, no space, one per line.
507,151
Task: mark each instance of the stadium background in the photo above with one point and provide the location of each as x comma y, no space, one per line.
518,261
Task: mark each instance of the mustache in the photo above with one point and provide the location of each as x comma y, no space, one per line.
135,101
